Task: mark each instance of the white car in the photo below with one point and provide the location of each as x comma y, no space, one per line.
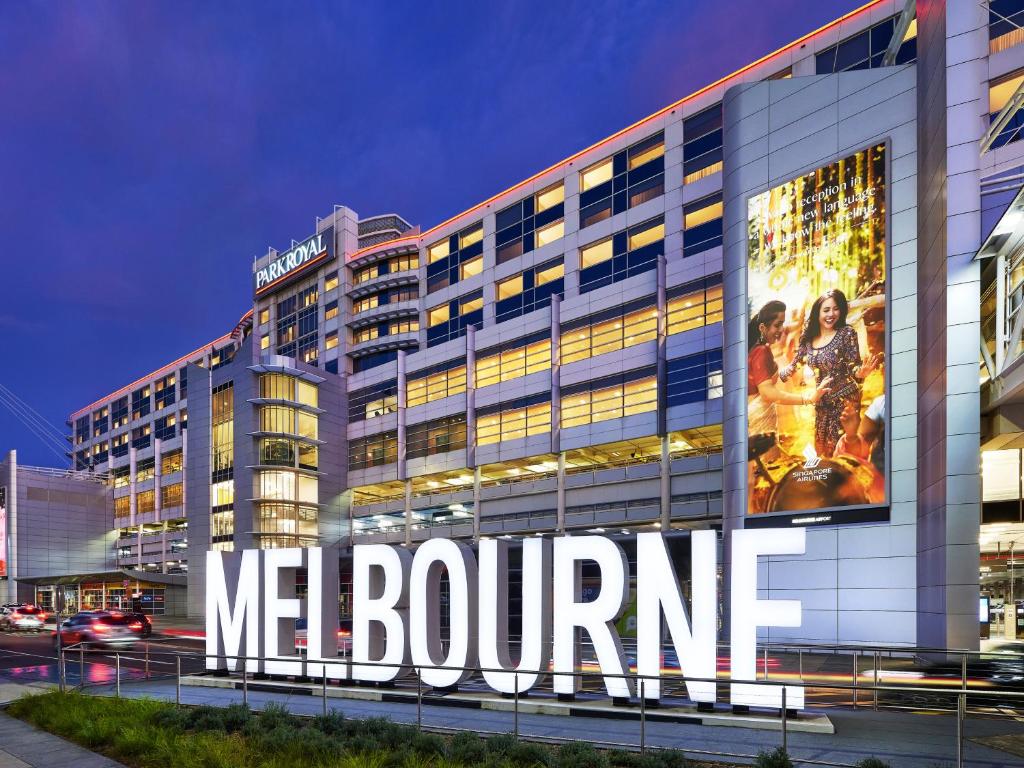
23,618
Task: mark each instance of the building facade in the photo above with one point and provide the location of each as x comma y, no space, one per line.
571,354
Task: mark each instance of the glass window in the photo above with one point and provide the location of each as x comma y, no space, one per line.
595,175
373,451
306,393
471,304
471,267
695,308
265,341
437,315
547,275
646,234
470,236
423,389
702,221
511,286
647,150
331,283
550,233
331,310
610,402
438,251
331,340
550,197
264,316
595,254
513,424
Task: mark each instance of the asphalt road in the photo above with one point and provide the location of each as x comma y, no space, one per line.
31,657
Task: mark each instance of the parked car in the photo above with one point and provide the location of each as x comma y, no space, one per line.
22,618
100,628
344,635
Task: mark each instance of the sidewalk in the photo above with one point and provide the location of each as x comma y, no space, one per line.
24,746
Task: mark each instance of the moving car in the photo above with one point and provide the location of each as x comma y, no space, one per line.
22,618
101,628
141,623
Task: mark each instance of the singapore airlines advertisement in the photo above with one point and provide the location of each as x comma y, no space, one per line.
816,367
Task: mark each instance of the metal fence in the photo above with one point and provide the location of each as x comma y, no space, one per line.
874,694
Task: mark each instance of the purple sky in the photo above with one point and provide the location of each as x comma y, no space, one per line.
149,150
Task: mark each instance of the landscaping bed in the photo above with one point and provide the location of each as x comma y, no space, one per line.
152,734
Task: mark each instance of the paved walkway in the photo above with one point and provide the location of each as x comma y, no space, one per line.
24,746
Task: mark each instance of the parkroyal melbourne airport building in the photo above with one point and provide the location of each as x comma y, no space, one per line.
789,299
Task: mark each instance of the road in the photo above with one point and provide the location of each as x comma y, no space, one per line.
30,657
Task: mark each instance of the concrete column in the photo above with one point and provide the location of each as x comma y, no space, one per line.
132,468
157,476
408,513
476,504
560,495
666,484
401,415
9,587
556,368
471,397
662,370
184,466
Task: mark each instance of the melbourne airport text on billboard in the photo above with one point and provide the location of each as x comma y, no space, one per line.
816,370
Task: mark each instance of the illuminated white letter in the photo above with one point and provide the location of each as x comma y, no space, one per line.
233,609
380,599
597,617
535,647
747,613
280,613
425,611
657,590
322,615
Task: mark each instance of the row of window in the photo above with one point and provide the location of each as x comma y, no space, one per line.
379,330
386,267
145,501
383,298
279,386
531,223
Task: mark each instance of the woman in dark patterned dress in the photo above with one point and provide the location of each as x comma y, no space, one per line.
830,348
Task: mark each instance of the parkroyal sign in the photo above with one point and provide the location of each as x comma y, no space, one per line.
319,246
251,607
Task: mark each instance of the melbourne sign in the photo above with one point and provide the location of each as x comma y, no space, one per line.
251,608
318,247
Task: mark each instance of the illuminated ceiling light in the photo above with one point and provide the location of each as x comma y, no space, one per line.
433,484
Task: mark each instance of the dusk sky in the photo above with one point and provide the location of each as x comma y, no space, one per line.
148,151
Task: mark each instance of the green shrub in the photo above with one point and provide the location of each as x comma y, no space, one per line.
501,744
529,755
333,723
872,762
467,748
275,715
670,758
578,754
777,758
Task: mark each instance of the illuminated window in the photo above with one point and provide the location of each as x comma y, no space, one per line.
595,254
866,49
613,330
408,325
471,267
550,233
646,234
331,283
471,304
171,462
645,151
1005,24
698,441
122,506
595,175
306,393
550,197
549,274
265,341
264,316
433,384
222,493
470,236
377,400
331,340
702,144
437,315
999,93
702,224
277,418
504,365
633,176
368,333
145,502
594,402
510,287
513,423
696,305
171,496
364,304
330,310
277,386
438,251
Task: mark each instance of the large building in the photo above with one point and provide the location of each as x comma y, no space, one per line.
577,353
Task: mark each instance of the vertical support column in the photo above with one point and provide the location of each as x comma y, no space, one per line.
556,369
471,397
560,494
132,502
476,504
184,468
408,513
157,476
401,414
666,484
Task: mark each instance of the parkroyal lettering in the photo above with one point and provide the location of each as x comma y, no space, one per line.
251,608
293,259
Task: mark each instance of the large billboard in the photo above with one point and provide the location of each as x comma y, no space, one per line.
816,370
